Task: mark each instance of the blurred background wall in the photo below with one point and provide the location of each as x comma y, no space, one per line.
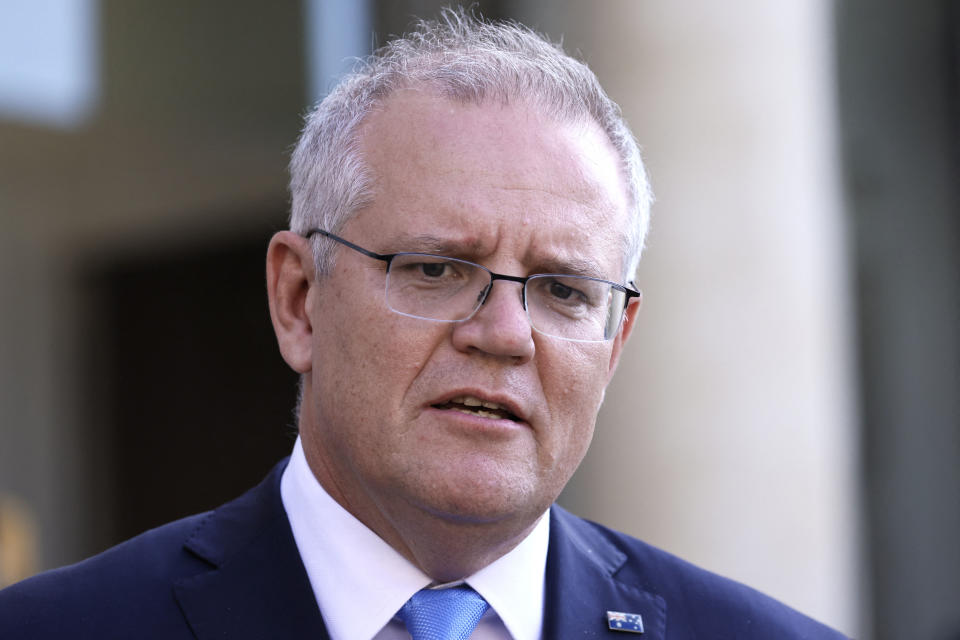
786,413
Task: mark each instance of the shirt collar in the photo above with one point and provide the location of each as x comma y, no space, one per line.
360,581
513,583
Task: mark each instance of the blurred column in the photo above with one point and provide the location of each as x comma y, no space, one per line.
899,70
729,435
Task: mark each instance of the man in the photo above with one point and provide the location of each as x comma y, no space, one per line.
455,291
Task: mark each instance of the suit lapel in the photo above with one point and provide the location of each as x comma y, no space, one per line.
582,585
257,586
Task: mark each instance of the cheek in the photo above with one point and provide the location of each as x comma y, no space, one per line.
574,382
577,376
365,351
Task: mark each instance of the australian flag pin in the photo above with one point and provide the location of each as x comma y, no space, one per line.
629,622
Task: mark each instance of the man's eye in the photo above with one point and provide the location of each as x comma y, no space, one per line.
564,294
560,291
425,270
433,269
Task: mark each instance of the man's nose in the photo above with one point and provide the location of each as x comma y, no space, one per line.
500,326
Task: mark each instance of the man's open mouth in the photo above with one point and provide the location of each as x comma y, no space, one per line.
477,407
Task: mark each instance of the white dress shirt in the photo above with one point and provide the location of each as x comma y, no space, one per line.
360,582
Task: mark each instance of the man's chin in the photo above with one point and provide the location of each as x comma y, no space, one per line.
508,504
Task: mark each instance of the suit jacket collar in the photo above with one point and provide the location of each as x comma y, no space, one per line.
257,586
582,585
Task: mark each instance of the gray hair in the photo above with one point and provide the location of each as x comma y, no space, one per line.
469,60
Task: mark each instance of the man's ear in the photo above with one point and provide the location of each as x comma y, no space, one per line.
289,275
626,327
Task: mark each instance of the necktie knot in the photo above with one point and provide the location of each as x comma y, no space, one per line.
443,614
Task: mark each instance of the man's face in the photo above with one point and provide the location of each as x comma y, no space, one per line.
389,434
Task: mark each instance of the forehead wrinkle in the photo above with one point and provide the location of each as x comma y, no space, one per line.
570,265
429,243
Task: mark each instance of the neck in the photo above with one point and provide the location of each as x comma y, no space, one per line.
446,547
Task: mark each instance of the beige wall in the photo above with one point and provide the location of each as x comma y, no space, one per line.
728,436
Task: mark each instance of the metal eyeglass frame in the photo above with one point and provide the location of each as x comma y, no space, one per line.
522,280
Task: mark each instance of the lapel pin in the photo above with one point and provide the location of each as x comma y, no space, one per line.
629,622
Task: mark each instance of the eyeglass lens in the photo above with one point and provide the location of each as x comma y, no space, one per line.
447,289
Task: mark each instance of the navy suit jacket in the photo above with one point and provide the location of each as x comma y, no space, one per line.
235,573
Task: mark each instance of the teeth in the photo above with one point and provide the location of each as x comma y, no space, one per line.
471,401
480,412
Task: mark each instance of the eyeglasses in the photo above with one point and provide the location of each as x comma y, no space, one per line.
442,289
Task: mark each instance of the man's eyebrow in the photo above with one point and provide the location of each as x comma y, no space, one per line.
427,243
571,265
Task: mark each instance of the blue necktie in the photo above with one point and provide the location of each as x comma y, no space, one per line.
443,614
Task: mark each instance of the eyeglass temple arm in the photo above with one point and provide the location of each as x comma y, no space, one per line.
386,257
632,292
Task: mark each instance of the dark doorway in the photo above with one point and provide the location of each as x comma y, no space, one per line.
193,402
